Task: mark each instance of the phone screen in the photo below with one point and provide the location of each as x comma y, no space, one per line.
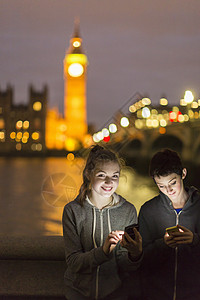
129,230
172,229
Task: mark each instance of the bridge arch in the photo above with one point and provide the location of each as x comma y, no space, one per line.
168,141
133,147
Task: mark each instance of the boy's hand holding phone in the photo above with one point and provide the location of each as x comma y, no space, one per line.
178,235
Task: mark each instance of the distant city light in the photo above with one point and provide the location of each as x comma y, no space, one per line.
19,135
24,140
149,123
163,101
186,118
76,44
172,116
124,122
162,130
155,123
139,114
191,114
163,123
100,135
95,138
105,132
33,147
87,141
188,97
18,147
19,124
37,106
139,124
2,135
194,104
26,124
146,112
39,147
154,111
36,147
35,135
146,101
106,139
183,102
175,109
13,135
180,118
132,108
70,156
26,134
113,128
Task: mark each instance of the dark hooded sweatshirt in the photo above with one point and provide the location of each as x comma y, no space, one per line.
170,274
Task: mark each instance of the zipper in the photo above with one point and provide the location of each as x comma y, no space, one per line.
176,258
97,283
101,244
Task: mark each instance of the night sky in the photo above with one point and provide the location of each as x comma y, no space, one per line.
146,46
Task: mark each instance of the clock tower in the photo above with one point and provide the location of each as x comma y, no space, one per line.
75,77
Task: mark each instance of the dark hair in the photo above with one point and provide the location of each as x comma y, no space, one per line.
164,163
97,155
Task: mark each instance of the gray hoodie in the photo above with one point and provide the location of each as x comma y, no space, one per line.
89,270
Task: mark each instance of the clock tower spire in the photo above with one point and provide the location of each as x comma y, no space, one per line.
75,79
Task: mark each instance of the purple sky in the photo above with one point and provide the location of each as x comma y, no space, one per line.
146,46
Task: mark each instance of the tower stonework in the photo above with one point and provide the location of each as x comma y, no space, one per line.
22,126
75,80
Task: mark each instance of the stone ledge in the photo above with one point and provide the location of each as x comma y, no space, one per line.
36,248
32,267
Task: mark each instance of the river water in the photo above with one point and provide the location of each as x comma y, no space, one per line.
33,192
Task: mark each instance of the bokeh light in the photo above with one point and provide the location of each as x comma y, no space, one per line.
124,122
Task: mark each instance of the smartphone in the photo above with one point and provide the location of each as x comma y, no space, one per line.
172,229
129,230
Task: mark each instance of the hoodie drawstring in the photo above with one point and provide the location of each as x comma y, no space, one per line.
109,224
94,227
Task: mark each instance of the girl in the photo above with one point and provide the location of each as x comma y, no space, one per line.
93,224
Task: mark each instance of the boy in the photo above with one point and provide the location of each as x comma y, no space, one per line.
171,265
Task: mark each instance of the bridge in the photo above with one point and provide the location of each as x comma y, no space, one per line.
139,128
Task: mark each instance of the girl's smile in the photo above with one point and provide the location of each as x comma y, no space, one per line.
105,181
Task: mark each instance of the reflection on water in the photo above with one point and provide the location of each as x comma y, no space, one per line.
33,192
135,188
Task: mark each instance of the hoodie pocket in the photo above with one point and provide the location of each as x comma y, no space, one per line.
81,282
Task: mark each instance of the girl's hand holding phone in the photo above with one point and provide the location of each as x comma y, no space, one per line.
111,241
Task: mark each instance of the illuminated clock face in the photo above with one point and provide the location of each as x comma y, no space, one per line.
75,70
